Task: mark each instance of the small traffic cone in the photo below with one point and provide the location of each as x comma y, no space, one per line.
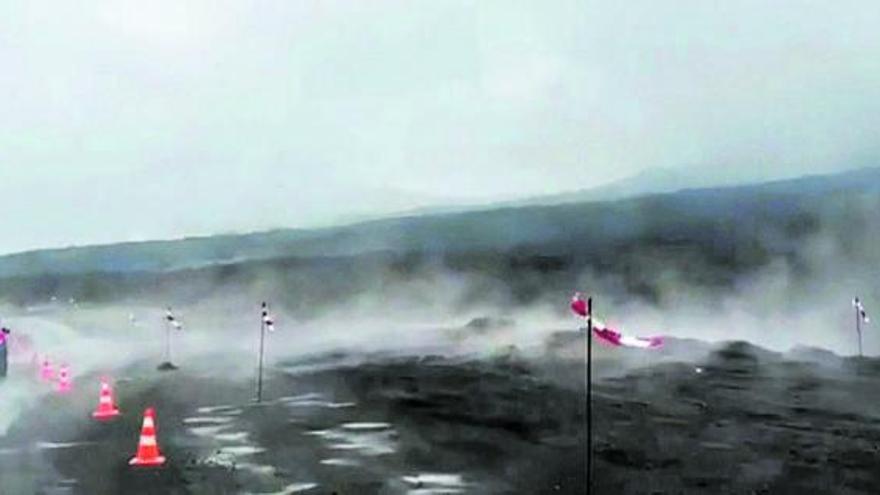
106,408
46,372
148,448
63,379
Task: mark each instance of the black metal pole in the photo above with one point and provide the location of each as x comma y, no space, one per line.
260,372
4,351
859,328
589,395
167,341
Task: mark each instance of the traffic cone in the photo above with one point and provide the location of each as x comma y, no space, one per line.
63,379
46,372
148,448
106,408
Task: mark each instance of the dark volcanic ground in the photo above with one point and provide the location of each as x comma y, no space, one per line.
742,420
746,421
395,425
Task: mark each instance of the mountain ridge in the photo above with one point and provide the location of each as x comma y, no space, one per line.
501,227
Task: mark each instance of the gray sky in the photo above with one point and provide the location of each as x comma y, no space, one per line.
129,120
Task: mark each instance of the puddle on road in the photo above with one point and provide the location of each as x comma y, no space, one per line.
61,445
369,443
237,436
206,431
314,400
222,409
340,462
242,450
290,489
208,420
366,426
435,483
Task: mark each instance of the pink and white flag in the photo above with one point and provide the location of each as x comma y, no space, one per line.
610,335
579,305
617,339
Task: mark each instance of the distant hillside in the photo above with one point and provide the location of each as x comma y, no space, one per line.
651,181
721,231
647,182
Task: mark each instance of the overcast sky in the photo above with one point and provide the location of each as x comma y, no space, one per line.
131,119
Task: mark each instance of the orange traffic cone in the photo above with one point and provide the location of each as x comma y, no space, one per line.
106,408
63,379
148,448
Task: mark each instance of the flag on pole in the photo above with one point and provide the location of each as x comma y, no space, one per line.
171,322
169,316
268,320
860,308
610,335
579,305
584,308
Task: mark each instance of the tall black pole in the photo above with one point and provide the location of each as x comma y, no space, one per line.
589,395
859,327
167,341
4,351
260,372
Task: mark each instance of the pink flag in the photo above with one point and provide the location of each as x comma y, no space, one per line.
610,335
579,306
617,339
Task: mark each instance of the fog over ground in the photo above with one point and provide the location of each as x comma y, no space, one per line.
783,305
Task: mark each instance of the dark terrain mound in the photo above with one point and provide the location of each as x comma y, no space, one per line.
742,420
